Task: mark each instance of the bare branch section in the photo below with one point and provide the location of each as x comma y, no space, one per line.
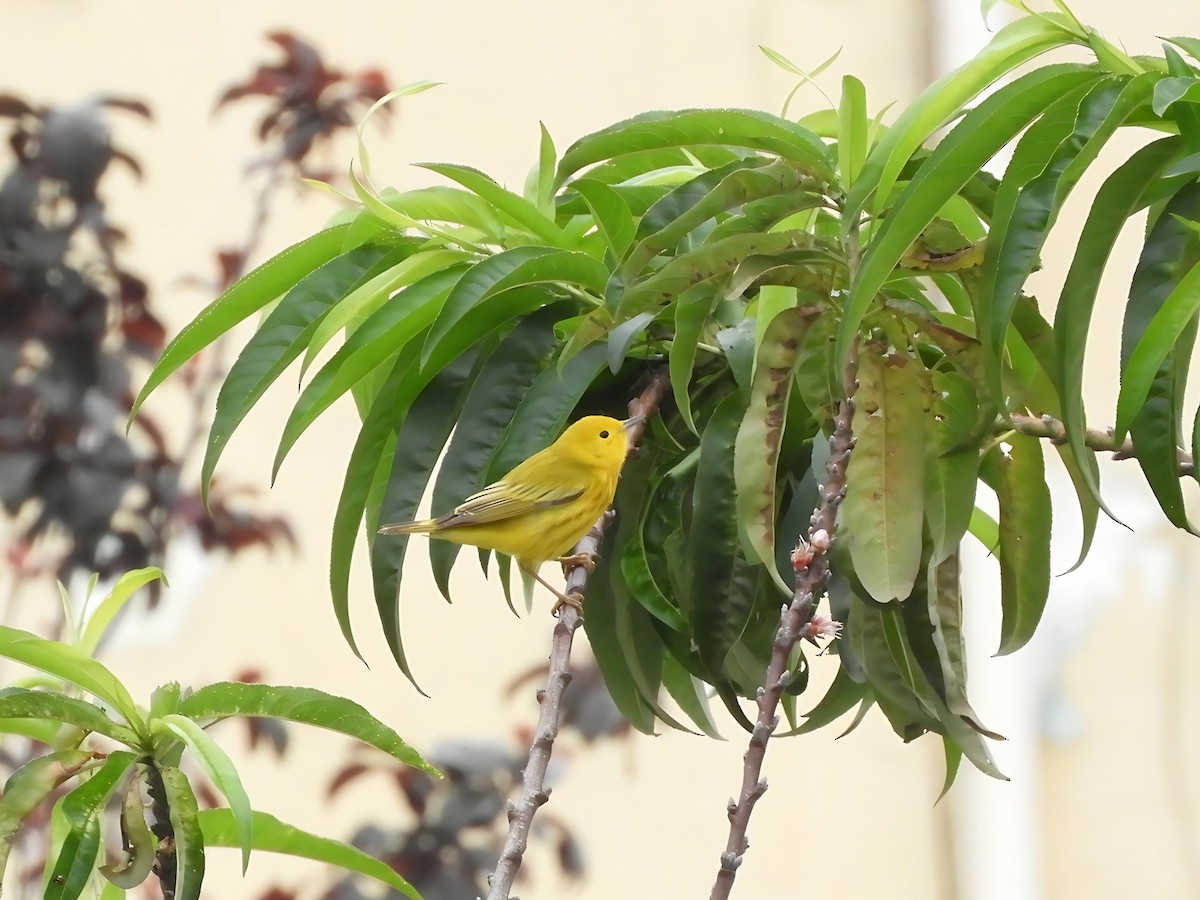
811,563
1101,441
533,788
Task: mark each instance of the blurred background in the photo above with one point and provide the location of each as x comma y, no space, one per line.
1099,709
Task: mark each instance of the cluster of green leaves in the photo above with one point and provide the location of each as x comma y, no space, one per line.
133,752
749,254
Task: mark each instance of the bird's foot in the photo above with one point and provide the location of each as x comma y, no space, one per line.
577,559
574,600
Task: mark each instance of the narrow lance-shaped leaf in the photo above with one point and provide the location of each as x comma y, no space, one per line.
380,337
1102,109
221,771
273,836
82,809
244,298
367,297
760,435
691,127
510,205
373,448
278,341
1019,479
65,662
29,786
189,840
980,134
126,586
852,130
950,474
721,582
505,271
1118,198
418,445
611,214
692,309
21,703
884,502
306,706
1013,45
488,408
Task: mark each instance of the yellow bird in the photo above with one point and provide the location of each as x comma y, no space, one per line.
541,509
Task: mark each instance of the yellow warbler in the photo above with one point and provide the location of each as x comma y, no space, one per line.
540,509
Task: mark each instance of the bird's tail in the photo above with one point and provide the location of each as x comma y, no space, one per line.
420,527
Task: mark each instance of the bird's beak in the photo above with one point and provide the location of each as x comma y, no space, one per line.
631,421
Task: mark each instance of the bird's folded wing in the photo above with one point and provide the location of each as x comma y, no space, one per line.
504,500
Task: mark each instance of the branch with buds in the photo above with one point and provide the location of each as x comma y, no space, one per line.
534,792
810,561
1053,430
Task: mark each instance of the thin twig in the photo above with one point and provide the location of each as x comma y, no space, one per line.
533,785
1101,441
811,563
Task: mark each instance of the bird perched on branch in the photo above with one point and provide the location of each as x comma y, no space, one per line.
540,510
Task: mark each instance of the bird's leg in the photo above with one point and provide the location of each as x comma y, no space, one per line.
573,599
577,559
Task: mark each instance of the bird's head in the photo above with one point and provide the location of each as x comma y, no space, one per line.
598,440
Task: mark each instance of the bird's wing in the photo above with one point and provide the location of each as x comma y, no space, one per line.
504,500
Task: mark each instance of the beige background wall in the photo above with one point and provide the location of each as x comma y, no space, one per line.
847,820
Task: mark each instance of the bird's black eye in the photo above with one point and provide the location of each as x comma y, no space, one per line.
604,434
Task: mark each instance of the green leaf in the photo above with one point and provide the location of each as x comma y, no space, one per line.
446,204
950,475
41,730
953,761
614,659
1011,259
185,824
1118,198
419,443
1156,343
690,693
818,377
273,836
692,309
65,662
852,130
387,332
82,809
692,204
707,262
1169,91
544,410
981,133
760,435
1189,44
884,506
244,298
220,769
488,408
1019,480
1037,370
841,697
372,449
691,127
138,842
278,341
944,615
29,786
516,208
23,704
366,298
622,338
505,271
126,586
1171,249
306,706
720,580
611,213
1013,45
